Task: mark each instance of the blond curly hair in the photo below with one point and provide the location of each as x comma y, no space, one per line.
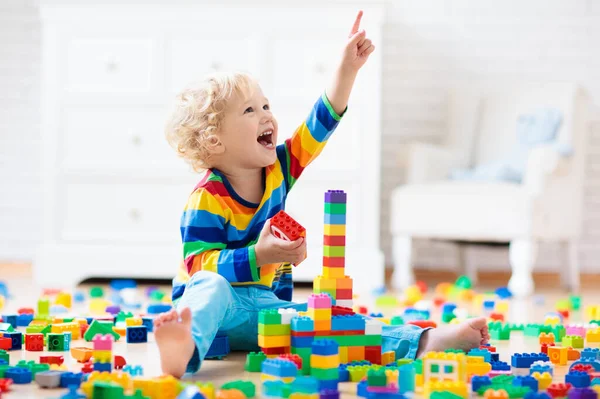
198,112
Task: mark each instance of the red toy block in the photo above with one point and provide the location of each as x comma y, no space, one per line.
51,291
5,343
373,354
5,384
276,351
293,358
52,360
544,348
87,368
582,367
25,311
303,333
558,390
340,311
363,310
285,227
497,316
423,323
334,241
422,286
490,348
34,342
343,294
119,362
438,301
564,313
338,261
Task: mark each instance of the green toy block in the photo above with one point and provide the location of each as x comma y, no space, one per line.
559,332
494,325
334,251
384,301
100,327
3,368
254,361
35,329
575,302
443,395
563,304
354,340
463,282
4,356
274,329
122,316
397,321
574,341
325,374
515,327
502,379
447,317
46,330
451,350
57,342
43,308
269,316
6,327
534,330
96,292
376,378
157,295
304,354
330,292
335,209
247,387
33,366
502,334
418,366
403,361
68,320
512,391
108,390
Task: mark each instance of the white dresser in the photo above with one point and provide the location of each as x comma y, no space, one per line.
113,188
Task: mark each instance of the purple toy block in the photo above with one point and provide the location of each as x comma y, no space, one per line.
335,197
583,393
329,394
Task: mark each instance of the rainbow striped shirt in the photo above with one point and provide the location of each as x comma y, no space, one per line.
219,228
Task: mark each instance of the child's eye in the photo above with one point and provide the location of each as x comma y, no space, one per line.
266,107
249,109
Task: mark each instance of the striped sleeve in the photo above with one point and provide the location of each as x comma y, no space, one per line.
309,139
204,236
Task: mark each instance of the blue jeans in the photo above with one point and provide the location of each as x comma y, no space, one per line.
217,307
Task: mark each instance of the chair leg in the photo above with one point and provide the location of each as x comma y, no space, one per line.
573,261
523,254
403,275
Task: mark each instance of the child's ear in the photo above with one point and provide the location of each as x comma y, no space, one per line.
214,145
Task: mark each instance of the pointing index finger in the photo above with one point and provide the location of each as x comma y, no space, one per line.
356,23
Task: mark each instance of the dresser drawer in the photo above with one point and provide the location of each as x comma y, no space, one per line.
118,65
117,138
122,213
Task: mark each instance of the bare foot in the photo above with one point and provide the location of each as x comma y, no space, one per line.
467,335
173,334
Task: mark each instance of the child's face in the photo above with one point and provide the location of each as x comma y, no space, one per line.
249,130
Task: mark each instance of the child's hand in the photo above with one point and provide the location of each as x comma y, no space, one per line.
270,249
359,48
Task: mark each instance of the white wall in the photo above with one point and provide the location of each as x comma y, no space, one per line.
429,43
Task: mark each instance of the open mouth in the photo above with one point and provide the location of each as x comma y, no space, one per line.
266,139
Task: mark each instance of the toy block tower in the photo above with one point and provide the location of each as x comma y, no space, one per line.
324,363
334,281
103,352
274,336
319,310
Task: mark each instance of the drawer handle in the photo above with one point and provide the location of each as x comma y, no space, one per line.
135,214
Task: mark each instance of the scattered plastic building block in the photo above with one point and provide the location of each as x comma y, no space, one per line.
34,342
16,340
73,394
68,379
137,334
500,366
18,375
158,308
219,348
583,393
285,227
558,355
578,379
58,342
558,390
48,379
541,367
254,361
573,341
526,381
525,360
246,387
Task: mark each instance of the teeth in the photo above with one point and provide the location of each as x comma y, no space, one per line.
265,133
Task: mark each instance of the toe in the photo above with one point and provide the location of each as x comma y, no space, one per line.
186,316
478,323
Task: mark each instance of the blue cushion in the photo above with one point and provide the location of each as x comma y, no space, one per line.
535,129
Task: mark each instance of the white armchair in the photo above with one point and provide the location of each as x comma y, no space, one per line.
546,206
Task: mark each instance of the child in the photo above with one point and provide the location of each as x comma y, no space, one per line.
233,266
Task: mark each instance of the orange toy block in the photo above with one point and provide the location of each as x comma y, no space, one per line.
388,357
573,354
344,283
492,394
81,354
230,394
546,338
356,353
322,325
558,355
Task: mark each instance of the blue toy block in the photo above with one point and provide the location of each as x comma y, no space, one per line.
118,285
275,389
302,342
4,291
10,319
149,323
134,371
579,379
591,353
448,307
23,320
67,379
16,339
191,392
486,354
525,360
536,395
219,348
541,369
328,384
411,314
157,308
325,347
72,394
406,378
361,389
305,385
500,366
503,293
58,309
19,375
582,393
137,334
103,367
526,381
329,394
79,297
489,305
347,323
478,381
344,375
495,357
335,218
279,368
391,395
302,324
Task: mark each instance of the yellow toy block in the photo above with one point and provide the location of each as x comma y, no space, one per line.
148,386
133,321
81,354
98,306
501,306
558,355
344,283
266,377
333,272
324,362
168,386
419,380
299,395
477,366
63,298
102,356
334,230
552,320
596,388
413,294
592,312
62,367
450,366
322,283
388,357
207,389
544,380
458,388
592,336
343,352
319,314
274,341
392,376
